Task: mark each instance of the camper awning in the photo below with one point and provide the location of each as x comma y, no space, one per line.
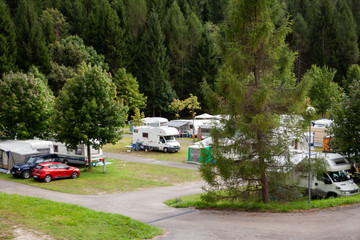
177,124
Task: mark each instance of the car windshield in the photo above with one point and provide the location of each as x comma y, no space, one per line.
31,160
169,138
39,167
339,176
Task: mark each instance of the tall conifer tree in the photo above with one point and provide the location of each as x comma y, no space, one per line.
255,85
8,49
32,49
154,65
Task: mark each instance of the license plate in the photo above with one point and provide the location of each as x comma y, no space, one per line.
12,172
35,176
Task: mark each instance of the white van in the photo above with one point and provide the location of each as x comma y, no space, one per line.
156,138
76,156
335,181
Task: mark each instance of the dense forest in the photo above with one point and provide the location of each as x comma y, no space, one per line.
168,46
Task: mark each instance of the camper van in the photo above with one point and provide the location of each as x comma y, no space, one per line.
156,138
335,181
76,156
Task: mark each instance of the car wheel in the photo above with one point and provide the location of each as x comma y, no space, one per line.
66,162
74,175
165,150
26,174
331,195
47,178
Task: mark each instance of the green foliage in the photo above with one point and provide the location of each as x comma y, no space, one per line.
274,206
69,221
175,29
353,73
127,89
54,25
137,118
153,68
88,111
31,43
324,92
254,86
67,55
177,106
8,49
300,38
347,45
192,104
346,118
26,105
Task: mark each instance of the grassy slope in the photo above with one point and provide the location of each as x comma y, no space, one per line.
67,221
120,176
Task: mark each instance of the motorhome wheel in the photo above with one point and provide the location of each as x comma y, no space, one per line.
165,150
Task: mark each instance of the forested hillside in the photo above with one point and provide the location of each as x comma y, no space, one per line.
168,46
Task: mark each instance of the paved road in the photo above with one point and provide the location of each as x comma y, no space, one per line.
147,206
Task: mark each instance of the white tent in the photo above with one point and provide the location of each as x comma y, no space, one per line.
205,116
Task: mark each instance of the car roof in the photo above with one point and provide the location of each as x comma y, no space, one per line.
49,163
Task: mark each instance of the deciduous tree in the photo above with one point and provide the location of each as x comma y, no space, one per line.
88,111
26,105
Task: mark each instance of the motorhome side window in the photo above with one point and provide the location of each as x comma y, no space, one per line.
323,177
145,135
162,140
56,148
78,151
69,150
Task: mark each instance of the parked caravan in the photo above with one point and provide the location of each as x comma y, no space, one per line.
77,156
335,181
17,151
156,138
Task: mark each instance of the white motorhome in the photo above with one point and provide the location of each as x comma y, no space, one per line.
77,156
156,138
335,181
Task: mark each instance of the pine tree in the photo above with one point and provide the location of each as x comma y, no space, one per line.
347,46
154,64
300,41
32,49
203,64
175,29
324,30
255,86
8,49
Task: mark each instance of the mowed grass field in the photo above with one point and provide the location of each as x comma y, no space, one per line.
46,219
120,176
120,147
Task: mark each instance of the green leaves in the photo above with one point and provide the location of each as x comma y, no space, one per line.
26,105
87,109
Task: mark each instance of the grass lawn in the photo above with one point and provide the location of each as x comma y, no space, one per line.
195,201
66,221
120,147
120,176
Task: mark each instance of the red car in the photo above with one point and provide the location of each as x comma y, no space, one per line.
54,170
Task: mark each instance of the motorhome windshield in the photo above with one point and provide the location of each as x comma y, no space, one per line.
169,138
339,176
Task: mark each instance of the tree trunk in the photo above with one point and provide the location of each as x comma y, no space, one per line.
89,155
264,187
